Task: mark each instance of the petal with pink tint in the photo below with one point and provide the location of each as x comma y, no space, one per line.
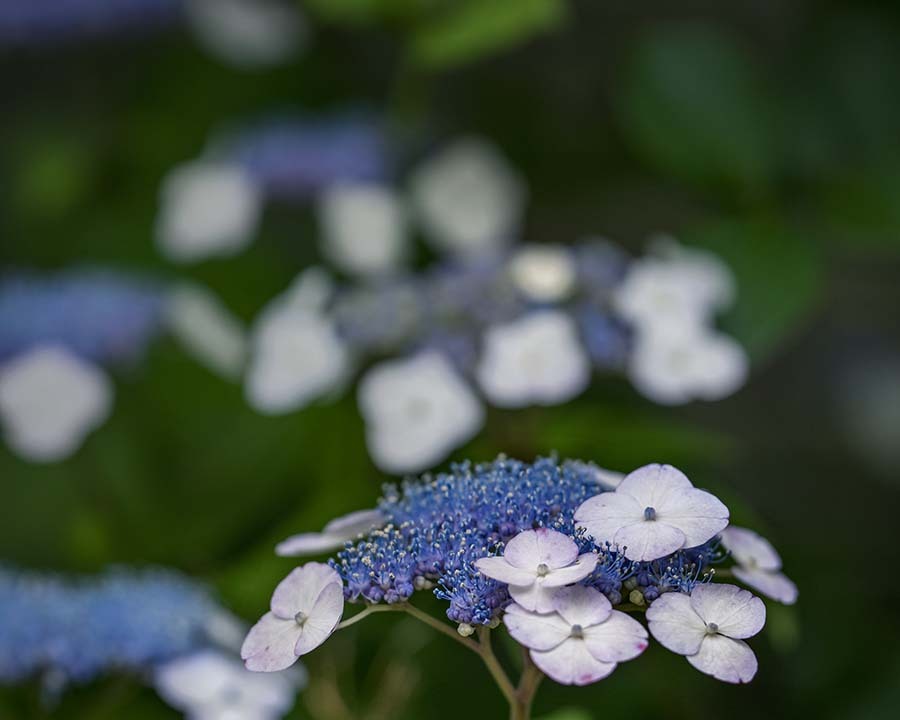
571,664
617,639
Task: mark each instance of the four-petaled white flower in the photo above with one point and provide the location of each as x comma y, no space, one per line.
207,209
697,363
535,360
50,399
652,513
416,410
333,535
544,273
305,609
535,564
758,564
363,228
212,685
468,199
581,640
709,626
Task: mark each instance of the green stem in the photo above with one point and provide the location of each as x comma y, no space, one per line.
365,613
525,692
494,667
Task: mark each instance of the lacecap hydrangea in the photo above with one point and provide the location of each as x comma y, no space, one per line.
563,555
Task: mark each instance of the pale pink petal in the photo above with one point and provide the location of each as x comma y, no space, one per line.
697,513
499,569
648,540
581,605
530,548
308,544
571,664
750,549
737,612
725,659
602,516
651,485
269,646
300,589
773,584
582,567
617,639
323,618
534,597
539,632
675,624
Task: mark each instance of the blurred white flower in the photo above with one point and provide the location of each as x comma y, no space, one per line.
713,280
654,512
363,228
468,199
50,399
544,273
758,564
207,209
672,369
416,411
535,360
211,685
206,329
333,535
709,627
248,33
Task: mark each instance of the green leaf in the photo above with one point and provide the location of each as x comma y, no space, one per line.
473,28
779,277
694,107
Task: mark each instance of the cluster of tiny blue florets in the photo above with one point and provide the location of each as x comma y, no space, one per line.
439,526
72,631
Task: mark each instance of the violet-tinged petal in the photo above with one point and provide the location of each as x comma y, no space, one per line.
617,639
582,567
322,619
649,540
499,569
311,543
269,646
300,589
750,549
697,513
652,484
602,516
675,624
531,548
570,663
725,659
581,605
773,584
538,632
534,597
737,613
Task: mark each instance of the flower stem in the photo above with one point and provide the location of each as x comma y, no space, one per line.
365,613
494,667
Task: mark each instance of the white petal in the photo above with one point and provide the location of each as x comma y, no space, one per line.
269,646
539,632
675,624
725,659
770,583
300,590
721,369
617,639
534,596
737,612
323,618
750,549
651,485
602,516
309,544
530,548
697,513
570,663
582,567
581,605
499,569
356,523
191,681
649,540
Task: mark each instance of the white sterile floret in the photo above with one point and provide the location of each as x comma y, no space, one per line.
536,360
654,512
672,369
713,281
207,209
709,627
50,399
468,199
207,330
543,273
333,535
363,228
416,411
758,564
305,609
581,640
535,564
247,33
297,355
212,685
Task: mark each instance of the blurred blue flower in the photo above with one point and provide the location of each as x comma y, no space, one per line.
101,315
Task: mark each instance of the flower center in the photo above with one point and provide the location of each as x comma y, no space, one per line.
543,569
711,628
577,631
649,513
301,618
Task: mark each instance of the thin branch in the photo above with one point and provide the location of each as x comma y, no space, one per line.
440,627
494,666
368,611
